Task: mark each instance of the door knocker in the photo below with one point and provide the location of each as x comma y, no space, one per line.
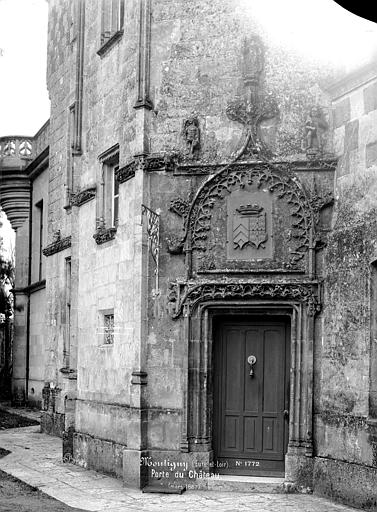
251,360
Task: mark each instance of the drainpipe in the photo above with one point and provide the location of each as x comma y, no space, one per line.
28,297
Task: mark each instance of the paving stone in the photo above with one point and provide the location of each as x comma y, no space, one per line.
35,459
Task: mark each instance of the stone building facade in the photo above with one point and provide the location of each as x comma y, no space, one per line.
207,287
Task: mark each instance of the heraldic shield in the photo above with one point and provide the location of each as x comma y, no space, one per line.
249,226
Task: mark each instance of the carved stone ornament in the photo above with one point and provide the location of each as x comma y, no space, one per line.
251,112
189,295
256,107
191,132
252,60
280,181
179,206
174,243
126,172
250,227
315,128
104,234
57,246
83,196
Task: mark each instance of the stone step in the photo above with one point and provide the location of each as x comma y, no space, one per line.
258,485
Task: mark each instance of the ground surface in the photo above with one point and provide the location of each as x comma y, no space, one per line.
16,496
8,420
36,459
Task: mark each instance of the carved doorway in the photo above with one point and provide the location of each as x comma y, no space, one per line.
251,394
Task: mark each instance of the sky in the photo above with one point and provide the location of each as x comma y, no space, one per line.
24,104
318,29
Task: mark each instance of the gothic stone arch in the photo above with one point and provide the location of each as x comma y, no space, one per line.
249,217
198,303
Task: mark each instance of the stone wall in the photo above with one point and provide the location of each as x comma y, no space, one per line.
344,425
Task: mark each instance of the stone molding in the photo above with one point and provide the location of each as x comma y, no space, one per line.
57,246
109,154
126,172
188,295
143,99
109,43
83,196
103,235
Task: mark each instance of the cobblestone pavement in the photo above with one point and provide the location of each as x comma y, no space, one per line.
35,458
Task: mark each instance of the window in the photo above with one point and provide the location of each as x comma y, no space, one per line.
39,220
68,281
115,197
111,194
108,337
108,197
112,22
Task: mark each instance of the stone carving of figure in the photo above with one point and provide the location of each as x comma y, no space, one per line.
192,135
315,127
253,60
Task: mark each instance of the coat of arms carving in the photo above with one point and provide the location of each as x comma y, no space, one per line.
249,227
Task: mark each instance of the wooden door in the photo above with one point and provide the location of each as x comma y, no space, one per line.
251,410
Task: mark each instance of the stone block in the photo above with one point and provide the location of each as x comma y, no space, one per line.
98,454
371,154
352,484
370,98
135,474
342,113
351,136
299,470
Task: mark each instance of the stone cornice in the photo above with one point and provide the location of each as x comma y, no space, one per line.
57,246
353,80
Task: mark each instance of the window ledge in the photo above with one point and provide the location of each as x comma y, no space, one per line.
103,235
109,43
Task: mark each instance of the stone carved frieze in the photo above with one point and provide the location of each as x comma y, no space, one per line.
188,295
104,234
148,163
83,196
126,172
59,244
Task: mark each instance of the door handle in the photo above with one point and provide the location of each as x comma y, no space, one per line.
286,414
251,360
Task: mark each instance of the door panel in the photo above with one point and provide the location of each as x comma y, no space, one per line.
250,430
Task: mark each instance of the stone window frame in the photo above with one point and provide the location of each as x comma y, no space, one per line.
103,330
38,247
112,23
106,224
